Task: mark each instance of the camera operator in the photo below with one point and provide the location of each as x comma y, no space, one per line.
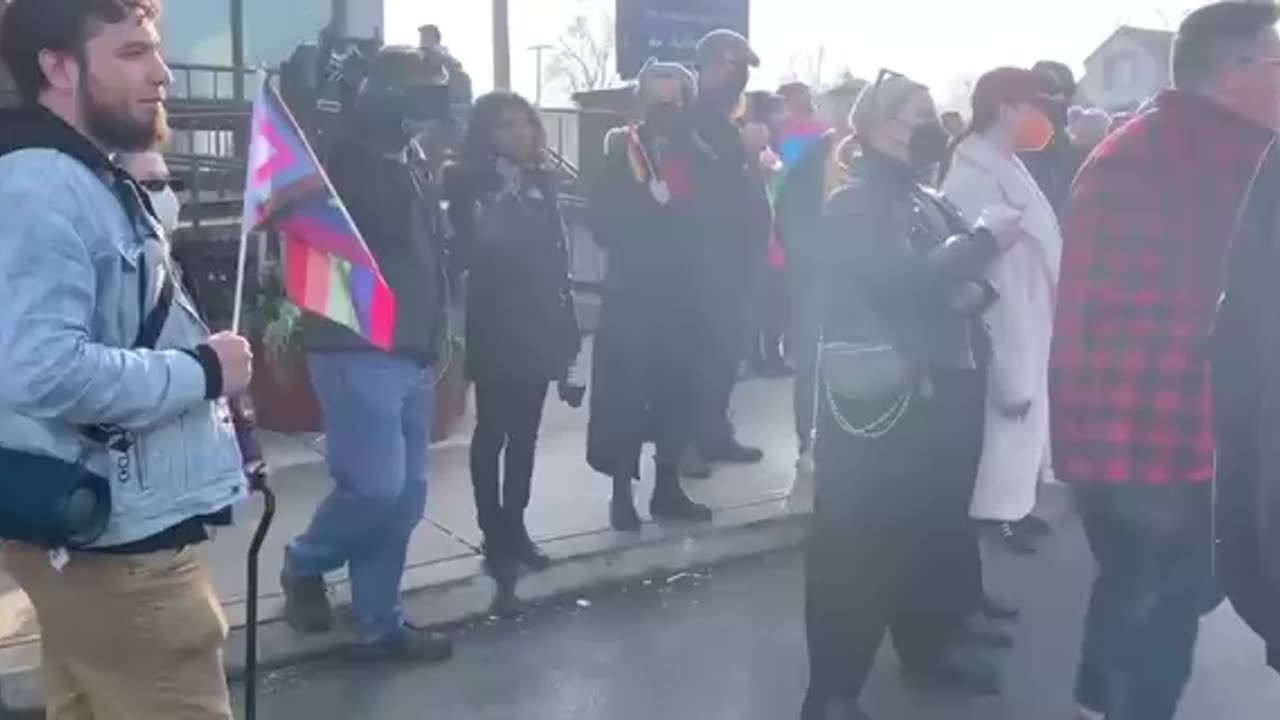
431,41
378,406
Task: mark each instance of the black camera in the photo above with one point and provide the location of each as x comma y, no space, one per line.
335,84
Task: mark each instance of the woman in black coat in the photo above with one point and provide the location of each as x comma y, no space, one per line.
522,331
901,292
646,357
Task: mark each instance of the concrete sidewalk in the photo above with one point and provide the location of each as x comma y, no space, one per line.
757,511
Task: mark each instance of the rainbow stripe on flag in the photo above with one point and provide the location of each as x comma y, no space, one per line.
328,269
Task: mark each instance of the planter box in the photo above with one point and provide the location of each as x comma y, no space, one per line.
285,401
282,394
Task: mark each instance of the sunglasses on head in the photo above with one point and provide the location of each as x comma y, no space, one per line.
882,77
160,185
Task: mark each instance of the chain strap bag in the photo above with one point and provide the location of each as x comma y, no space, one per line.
865,372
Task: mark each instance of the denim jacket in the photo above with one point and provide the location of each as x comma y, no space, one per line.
70,255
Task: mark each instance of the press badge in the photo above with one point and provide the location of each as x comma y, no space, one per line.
661,192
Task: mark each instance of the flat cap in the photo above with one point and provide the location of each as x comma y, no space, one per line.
726,44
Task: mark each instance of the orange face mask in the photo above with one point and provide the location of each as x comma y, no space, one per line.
1034,133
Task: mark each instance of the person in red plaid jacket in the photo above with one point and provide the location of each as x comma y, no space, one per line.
1147,234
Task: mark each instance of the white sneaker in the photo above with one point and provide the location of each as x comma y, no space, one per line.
1084,713
801,498
805,467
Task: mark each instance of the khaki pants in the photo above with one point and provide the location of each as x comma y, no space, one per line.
127,638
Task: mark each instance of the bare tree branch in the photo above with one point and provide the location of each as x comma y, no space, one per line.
583,58
810,67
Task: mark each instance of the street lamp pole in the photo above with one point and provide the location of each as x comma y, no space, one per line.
502,44
537,51
338,18
237,49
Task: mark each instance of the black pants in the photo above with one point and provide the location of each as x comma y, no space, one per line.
508,414
892,548
803,330
771,322
724,347
671,399
1153,547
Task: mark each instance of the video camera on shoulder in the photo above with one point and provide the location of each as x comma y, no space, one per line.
337,82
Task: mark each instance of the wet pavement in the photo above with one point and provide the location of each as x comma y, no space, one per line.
728,645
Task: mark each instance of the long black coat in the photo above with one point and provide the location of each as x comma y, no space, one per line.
520,318
646,340
735,221
1246,398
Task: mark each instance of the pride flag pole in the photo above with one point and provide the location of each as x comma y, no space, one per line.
258,482
242,258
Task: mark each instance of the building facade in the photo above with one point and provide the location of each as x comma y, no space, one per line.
1127,69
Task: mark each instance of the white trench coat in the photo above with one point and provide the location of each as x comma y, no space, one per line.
1015,452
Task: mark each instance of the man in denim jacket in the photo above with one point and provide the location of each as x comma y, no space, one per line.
131,627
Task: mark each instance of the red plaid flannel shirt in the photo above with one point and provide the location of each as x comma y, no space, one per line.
1147,232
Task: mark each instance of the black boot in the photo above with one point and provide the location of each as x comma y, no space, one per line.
502,564
1034,526
407,645
670,502
994,609
622,507
523,549
306,603
1016,539
965,677
816,708
733,452
496,546
693,465
975,632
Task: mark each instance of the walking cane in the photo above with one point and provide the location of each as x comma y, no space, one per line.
259,485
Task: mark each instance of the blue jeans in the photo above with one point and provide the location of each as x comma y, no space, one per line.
1153,549
377,418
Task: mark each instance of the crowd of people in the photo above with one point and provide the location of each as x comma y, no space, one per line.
973,304
1039,298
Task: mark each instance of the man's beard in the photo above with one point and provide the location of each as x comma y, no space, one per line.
112,127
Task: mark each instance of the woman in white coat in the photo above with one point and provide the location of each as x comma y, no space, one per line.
1008,118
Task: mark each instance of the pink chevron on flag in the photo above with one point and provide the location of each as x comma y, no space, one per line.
278,159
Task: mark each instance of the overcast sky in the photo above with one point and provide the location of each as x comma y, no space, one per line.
941,42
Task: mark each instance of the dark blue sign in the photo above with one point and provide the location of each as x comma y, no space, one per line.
670,29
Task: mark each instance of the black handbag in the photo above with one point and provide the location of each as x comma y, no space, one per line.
54,503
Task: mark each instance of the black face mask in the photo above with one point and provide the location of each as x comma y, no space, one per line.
927,146
665,118
725,97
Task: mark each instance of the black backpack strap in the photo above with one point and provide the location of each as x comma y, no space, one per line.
149,330
134,203
148,334
153,324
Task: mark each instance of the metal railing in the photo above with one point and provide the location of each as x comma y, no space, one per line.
195,81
